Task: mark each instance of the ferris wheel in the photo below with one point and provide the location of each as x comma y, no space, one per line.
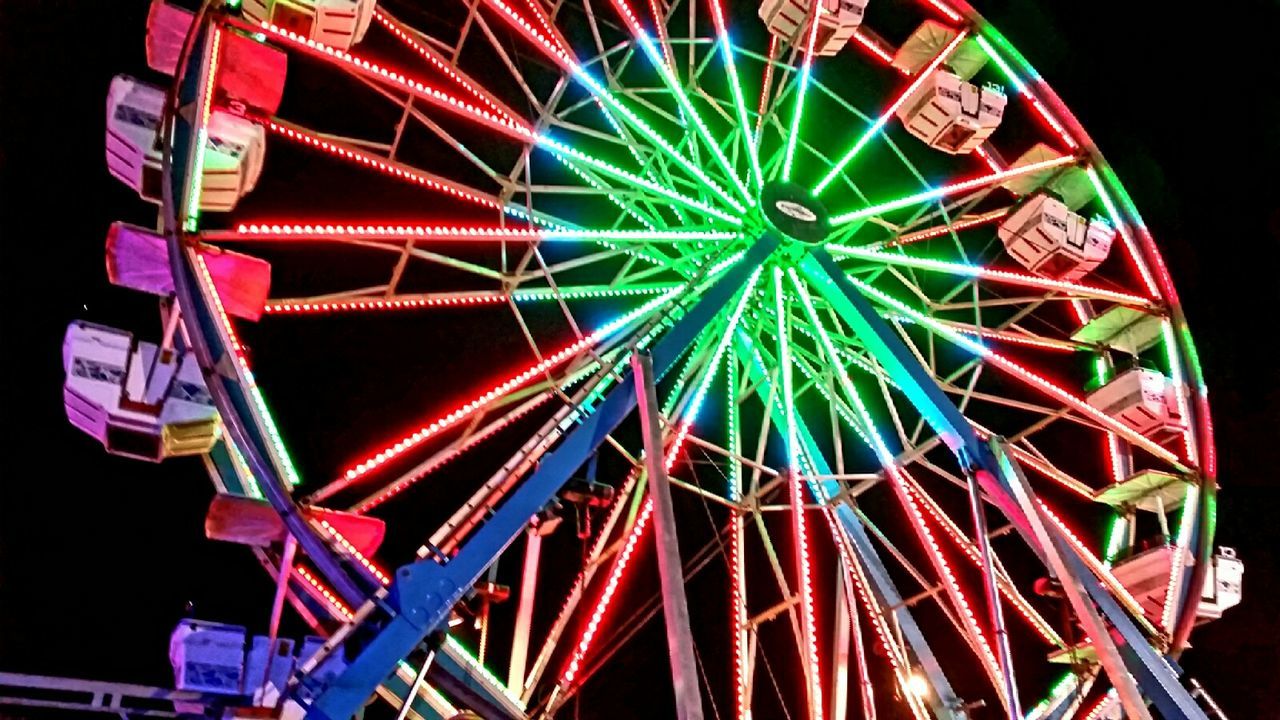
819,329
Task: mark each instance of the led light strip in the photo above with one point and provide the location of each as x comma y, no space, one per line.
437,701
431,429
735,88
945,9
737,547
1120,592
596,89
884,633
434,58
438,62
1105,704
498,120
806,73
192,221
471,660
460,299
799,527
1007,589
881,121
935,193
393,169
351,550
987,273
642,519
321,592
282,457
637,181
426,468
990,161
682,99
1036,106
962,223
766,84
874,47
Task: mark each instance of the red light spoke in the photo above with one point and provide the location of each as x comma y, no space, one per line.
435,427
961,223
884,633
946,10
439,63
807,613
393,169
957,536
899,481
322,593
400,485
1044,114
308,307
988,159
874,47
498,120
351,550
619,567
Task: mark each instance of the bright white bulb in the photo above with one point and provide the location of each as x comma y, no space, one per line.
917,685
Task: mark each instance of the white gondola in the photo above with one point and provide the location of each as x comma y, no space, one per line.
1144,400
138,400
207,657
951,114
336,23
1050,240
1146,577
788,20
232,158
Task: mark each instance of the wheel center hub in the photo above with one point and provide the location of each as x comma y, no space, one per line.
795,213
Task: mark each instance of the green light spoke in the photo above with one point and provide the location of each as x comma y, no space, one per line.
735,89
691,114
575,168
806,72
639,182
784,363
885,116
567,61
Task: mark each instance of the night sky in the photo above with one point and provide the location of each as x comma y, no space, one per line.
98,555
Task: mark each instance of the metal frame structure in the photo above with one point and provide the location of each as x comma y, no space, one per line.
650,129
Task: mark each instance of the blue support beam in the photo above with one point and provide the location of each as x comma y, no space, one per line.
423,593
997,477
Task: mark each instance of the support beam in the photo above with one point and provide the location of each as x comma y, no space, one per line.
995,614
423,592
524,613
675,606
840,653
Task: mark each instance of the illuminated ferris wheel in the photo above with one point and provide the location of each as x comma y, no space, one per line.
818,329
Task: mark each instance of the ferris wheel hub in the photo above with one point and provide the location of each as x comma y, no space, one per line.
795,213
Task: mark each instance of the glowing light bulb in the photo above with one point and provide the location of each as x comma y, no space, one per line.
917,685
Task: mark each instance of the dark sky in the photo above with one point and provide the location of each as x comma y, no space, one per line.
99,554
